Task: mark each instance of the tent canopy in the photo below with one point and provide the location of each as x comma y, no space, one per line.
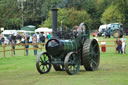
43,29
29,28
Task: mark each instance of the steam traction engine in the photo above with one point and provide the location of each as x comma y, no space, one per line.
66,51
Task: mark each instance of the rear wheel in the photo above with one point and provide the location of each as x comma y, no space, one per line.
43,63
116,34
91,55
72,63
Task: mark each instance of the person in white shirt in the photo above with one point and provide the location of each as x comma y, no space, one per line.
123,40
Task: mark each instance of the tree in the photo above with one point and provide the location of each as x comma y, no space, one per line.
69,17
112,15
32,12
9,14
123,8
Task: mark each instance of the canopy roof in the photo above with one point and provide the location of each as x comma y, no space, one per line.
29,28
43,29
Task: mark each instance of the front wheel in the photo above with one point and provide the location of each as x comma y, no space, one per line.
72,63
43,63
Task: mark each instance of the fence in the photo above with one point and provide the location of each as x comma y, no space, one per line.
4,50
109,44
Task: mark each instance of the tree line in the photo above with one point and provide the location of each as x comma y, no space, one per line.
71,12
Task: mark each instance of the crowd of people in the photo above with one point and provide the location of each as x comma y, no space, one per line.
24,39
121,45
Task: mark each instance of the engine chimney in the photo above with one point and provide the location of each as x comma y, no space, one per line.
54,22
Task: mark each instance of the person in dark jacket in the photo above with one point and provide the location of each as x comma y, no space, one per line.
13,46
26,41
119,45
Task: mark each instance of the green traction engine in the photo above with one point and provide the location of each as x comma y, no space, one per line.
68,49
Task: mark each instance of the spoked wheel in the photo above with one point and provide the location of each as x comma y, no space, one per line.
58,67
91,55
72,63
43,63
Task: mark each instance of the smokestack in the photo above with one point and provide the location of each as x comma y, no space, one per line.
54,21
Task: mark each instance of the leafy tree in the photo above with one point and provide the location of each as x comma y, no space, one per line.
112,14
123,8
9,14
32,12
46,7
69,17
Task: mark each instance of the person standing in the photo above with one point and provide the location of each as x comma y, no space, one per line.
123,39
30,39
13,46
10,39
35,46
119,45
26,41
49,36
0,39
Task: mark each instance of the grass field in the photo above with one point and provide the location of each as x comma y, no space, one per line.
21,70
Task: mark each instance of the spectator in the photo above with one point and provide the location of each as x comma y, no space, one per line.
30,39
123,39
13,37
26,45
10,39
38,37
119,45
22,39
13,46
49,36
2,39
42,38
18,39
35,46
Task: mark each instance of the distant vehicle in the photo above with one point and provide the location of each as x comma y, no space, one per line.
101,29
113,29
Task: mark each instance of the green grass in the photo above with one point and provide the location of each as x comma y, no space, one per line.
21,70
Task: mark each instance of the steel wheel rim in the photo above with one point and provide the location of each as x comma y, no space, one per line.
94,53
43,63
72,65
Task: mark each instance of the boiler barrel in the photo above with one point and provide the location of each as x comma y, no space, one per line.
57,47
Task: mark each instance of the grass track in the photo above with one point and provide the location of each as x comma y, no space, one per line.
21,70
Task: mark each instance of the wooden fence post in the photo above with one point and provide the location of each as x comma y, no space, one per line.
41,47
11,50
4,50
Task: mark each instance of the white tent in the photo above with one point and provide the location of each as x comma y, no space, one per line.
43,30
8,32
